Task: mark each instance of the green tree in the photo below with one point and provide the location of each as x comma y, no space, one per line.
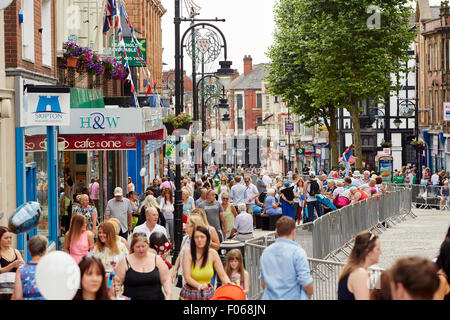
289,78
348,52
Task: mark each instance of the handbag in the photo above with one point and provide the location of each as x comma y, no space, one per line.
342,202
179,281
190,293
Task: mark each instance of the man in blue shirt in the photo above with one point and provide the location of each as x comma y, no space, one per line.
285,273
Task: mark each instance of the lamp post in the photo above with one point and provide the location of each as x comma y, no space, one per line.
225,69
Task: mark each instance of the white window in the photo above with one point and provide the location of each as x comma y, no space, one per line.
46,25
28,30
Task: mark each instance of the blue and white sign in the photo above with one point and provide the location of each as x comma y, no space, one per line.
46,109
446,111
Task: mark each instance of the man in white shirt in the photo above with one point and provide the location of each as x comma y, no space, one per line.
435,182
150,225
237,192
267,180
243,225
411,175
250,194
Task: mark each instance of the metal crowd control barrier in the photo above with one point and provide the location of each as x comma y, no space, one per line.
429,197
333,233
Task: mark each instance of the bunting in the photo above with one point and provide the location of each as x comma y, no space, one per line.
115,11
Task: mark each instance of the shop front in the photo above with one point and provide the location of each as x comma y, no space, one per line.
93,147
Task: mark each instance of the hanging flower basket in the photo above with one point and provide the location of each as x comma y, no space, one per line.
418,144
181,121
386,144
72,62
169,127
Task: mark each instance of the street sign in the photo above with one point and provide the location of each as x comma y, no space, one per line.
289,127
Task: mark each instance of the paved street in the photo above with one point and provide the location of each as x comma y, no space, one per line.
421,236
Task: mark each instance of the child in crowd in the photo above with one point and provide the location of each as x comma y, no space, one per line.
118,290
235,270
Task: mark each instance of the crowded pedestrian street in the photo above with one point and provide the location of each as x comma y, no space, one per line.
251,151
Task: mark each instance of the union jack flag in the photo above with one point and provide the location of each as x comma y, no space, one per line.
111,11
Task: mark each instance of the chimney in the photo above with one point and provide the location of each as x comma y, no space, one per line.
247,64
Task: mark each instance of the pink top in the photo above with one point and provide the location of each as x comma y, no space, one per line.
94,190
80,248
167,184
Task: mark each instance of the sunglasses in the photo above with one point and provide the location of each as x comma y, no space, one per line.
225,198
139,234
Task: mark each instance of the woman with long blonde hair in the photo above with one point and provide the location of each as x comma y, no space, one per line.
108,248
354,279
78,241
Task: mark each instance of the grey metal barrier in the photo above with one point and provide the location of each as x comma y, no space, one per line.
429,197
325,273
334,232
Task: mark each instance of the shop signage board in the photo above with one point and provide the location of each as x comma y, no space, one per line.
132,49
46,109
104,120
446,111
289,127
82,142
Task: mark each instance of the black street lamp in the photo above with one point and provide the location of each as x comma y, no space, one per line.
225,69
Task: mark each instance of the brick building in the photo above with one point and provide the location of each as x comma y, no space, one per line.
27,41
247,91
433,47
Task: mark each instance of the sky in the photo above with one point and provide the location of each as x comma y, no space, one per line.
248,30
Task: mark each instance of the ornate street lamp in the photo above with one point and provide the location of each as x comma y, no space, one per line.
225,67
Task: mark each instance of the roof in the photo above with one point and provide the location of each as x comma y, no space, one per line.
252,80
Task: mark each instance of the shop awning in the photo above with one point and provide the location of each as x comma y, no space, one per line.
86,98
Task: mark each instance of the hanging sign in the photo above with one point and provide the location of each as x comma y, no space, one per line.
45,109
170,147
446,111
135,53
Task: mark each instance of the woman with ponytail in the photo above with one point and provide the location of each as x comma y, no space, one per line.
354,279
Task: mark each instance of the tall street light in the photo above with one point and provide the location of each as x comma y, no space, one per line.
225,69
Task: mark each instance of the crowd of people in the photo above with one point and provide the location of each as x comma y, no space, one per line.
123,254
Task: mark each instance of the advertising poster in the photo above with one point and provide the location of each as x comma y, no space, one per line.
386,170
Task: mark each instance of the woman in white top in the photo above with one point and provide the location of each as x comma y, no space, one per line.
167,209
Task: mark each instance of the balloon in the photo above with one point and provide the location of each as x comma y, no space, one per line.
143,172
58,276
25,218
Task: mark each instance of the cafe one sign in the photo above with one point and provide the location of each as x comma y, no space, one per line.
82,143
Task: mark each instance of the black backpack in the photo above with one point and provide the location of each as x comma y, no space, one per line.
314,188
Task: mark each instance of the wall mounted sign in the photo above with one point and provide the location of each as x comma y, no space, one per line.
45,109
104,120
446,111
80,143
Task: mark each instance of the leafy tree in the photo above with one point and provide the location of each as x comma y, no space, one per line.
349,58
289,78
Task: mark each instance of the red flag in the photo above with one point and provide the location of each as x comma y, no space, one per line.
148,90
